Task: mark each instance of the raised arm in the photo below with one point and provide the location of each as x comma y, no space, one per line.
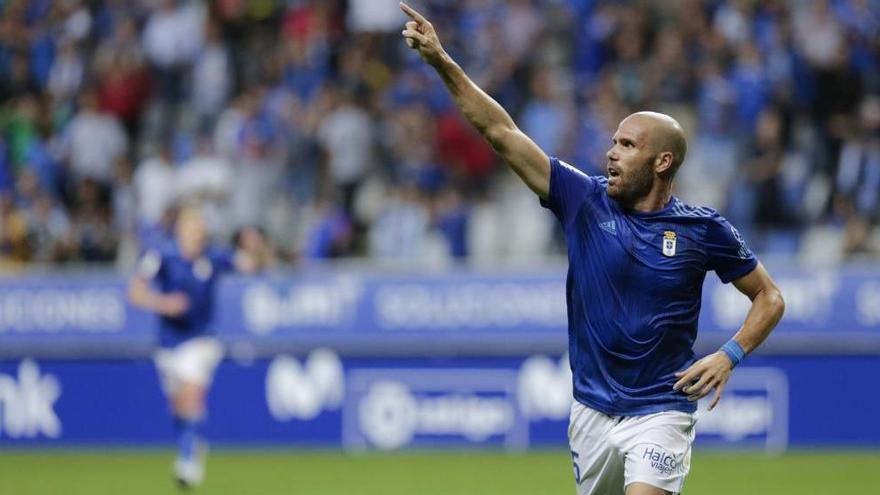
517,150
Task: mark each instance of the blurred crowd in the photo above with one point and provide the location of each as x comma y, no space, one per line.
312,122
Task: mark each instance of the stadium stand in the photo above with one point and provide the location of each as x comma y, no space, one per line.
310,120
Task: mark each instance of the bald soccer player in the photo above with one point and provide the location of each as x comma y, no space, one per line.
637,259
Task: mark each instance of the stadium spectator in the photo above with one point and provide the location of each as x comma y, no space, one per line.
172,39
95,238
14,248
67,73
258,178
49,231
123,83
346,134
95,141
155,186
208,178
314,89
211,77
401,231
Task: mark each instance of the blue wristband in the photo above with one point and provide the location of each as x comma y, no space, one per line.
734,351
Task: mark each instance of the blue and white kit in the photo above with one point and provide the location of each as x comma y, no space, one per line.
633,294
188,352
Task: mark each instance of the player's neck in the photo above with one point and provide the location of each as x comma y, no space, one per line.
655,200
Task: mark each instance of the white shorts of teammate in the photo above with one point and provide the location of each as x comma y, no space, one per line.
193,362
612,452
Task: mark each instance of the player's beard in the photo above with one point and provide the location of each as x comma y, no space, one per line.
635,185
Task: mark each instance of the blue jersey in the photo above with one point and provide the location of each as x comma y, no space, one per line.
170,272
633,291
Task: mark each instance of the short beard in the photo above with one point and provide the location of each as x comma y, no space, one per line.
638,185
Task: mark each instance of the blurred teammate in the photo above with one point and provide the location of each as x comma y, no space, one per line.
637,260
177,282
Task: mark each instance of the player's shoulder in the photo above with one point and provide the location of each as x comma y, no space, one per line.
713,226
153,258
161,251
594,180
701,214
702,220
167,249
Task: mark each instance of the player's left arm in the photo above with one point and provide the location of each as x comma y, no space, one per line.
713,371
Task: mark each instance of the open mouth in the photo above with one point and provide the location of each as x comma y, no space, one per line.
613,173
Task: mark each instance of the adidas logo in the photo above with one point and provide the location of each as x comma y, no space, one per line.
609,227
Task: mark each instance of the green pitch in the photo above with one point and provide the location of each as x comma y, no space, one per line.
449,473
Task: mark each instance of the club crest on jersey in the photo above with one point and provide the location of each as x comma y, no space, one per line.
668,243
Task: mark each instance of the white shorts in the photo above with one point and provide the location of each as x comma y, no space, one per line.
193,361
612,452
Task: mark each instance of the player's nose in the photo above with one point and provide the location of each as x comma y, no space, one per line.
610,154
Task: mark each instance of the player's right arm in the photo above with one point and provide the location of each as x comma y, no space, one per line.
142,294
529,162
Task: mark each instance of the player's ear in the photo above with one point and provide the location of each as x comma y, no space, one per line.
663,162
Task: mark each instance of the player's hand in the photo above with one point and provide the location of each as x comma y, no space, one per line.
420,35
711,372
173,304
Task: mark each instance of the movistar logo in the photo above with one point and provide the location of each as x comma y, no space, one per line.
609,227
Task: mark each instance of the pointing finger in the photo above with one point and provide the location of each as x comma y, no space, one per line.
412,13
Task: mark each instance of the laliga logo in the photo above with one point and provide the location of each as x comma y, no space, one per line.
544,388
391,415
388,415
27,404
302,391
